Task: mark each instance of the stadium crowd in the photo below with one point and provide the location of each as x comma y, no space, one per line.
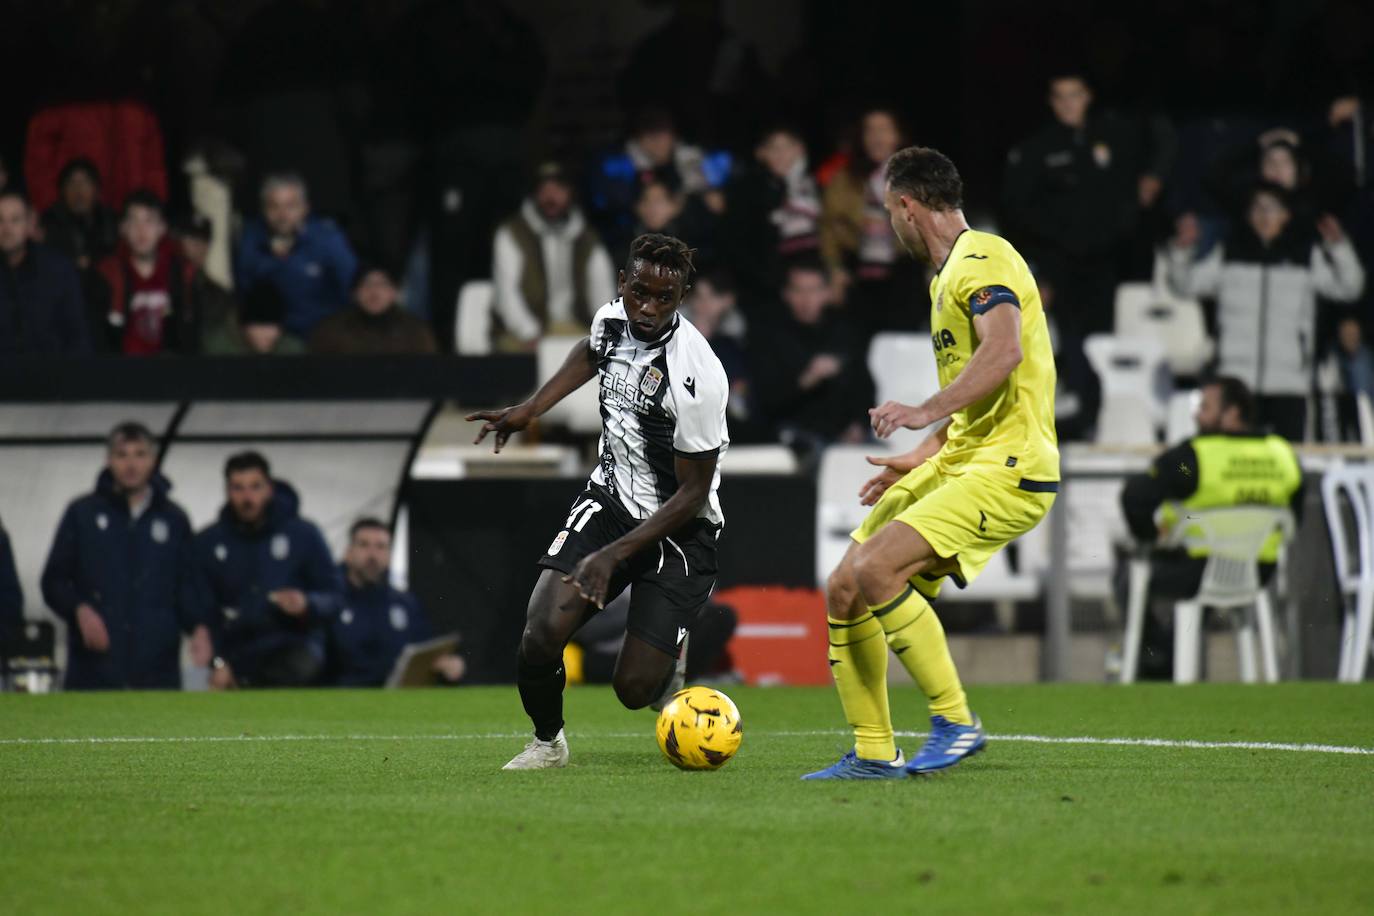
1267,221
332,250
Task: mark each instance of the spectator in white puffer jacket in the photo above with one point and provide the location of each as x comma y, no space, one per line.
1266,279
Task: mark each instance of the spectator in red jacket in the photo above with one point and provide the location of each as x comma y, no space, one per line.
150,307
122,138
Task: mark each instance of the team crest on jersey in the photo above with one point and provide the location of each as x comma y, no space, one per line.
1102,155
160,531
399,617
346,616
102,521
281,547
652,378
557,544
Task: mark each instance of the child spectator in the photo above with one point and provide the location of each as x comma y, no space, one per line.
148,297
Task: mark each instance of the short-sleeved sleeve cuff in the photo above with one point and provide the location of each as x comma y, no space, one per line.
703,455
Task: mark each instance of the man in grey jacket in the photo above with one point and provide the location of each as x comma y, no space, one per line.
1266,279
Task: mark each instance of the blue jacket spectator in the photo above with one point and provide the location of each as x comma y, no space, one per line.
654,154
11,594
307,258
272,581
377,620
41,307
120,575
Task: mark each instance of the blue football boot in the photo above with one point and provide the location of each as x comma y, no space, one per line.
852,766
947,745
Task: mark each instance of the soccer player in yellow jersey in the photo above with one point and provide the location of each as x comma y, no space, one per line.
984,477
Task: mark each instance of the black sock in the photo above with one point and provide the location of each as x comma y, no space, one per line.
541,692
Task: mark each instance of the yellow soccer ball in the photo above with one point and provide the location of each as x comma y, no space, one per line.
699,729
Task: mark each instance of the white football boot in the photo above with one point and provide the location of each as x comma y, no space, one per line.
541,755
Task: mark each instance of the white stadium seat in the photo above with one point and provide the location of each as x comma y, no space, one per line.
843,471
472,326
1134,387
758,459
903,370
1143,310
580,411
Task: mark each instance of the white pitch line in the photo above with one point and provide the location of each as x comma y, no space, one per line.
1184,744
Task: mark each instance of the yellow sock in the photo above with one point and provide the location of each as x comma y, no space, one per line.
858,662
914,633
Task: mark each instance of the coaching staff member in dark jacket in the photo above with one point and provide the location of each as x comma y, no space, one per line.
11,596
378,620
120,574
273,584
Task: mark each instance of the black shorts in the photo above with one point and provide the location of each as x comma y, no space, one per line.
669,581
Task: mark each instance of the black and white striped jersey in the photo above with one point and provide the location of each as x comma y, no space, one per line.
658,400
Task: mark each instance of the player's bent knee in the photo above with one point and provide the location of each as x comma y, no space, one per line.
636,692
841,590
874,577
539,642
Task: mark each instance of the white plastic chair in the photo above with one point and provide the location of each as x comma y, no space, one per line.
759,459
903,369
1353,553
1233,537
1142,310
472,325
1133,388
579,412
1364,412
843,471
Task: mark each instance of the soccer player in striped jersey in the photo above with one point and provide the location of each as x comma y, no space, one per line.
649,517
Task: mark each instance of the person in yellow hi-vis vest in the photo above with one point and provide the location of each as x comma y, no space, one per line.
1228,463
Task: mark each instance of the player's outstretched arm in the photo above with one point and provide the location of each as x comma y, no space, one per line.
577,370
997,356
593,575
895,467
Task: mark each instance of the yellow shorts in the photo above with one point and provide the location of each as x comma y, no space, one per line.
966,518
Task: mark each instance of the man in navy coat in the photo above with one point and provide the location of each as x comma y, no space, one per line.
120,573
272,582
378,620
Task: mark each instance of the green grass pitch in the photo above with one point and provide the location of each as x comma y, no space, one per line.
394,802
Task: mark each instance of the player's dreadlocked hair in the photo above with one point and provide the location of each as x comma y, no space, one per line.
927,177
665,251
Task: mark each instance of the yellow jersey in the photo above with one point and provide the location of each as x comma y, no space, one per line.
1013,427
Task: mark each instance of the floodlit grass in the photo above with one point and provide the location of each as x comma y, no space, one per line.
395,802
